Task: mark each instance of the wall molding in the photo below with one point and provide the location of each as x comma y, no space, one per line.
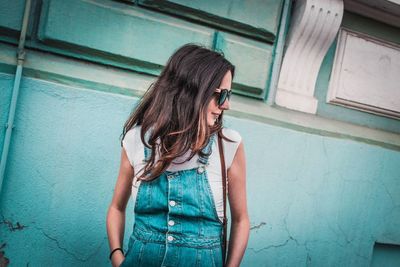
313,29
365,75
381,10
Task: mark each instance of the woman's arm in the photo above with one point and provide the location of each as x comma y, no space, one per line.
240,225
116,211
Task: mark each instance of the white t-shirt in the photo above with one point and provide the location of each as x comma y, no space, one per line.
135,152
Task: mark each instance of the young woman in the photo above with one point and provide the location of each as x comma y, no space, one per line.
172,148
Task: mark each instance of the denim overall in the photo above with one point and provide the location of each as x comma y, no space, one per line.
176,223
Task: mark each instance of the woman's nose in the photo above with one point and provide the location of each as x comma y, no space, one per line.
226,105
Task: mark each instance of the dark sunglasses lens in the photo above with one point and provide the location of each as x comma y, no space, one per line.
222,97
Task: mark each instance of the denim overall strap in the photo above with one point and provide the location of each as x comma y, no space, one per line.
206,151
147,151
203,159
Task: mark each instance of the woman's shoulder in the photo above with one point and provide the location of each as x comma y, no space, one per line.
232,135
133,145
134,131
230,147
132,135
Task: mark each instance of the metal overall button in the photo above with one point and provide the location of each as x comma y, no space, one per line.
200,169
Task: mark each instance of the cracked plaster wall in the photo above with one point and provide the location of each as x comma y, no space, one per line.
313,200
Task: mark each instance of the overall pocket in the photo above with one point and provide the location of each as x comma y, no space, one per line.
133,254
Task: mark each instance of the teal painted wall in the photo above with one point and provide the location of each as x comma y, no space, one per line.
60,175
313,200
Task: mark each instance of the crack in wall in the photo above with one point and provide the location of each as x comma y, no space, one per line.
382,182
308,257
258,226
84,259
348,241
59,245
271,246
19,226
308,260
358,254
286,225
290,237
44,179
387,192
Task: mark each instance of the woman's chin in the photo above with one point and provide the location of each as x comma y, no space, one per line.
212,123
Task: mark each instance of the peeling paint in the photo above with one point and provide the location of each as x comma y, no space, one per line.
4,261
10,225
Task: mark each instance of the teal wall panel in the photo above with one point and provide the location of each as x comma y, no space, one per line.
11,13
117,31
313,200
252,59
258,19
144,40
6,85
386,255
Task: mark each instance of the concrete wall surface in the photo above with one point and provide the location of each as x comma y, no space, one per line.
313,200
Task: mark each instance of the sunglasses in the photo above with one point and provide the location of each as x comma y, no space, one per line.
223,94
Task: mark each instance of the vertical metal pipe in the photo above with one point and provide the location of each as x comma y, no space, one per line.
278,53
20,62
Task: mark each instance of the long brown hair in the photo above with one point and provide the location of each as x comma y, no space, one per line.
173,111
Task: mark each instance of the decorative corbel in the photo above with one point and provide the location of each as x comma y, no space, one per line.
314,26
